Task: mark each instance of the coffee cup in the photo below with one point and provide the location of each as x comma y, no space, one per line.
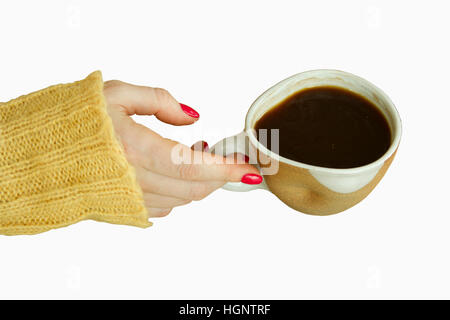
307,188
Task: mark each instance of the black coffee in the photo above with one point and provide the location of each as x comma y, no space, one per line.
328,127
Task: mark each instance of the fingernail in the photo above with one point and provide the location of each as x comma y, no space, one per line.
200,146
251,178
246,158
205,146
189,111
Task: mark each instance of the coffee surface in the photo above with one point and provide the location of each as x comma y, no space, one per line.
328,127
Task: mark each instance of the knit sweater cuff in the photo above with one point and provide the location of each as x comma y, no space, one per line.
60,162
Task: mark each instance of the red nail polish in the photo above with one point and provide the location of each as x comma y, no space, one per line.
189,111
251,178
205,146
246,158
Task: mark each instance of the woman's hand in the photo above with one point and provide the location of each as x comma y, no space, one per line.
165,183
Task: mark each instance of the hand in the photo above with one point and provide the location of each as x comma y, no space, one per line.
164,183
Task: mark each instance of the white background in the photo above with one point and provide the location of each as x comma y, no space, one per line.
218,56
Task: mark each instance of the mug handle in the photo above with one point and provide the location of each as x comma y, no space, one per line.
237,144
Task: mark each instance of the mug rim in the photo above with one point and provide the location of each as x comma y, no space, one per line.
249,130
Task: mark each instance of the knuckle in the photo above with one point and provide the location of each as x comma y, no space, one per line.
148,201
112,84
185,202
228,172
164,213
149,186
131,154
188,171
112,89
199,192
158,213
162,95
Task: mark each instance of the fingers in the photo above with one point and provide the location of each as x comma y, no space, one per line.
237,157
160,155
158,201
158,212
186,164
143,100
167,157
151,182
207,166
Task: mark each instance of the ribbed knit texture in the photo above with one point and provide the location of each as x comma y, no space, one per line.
60,162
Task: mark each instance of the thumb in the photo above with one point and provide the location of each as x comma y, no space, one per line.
143,100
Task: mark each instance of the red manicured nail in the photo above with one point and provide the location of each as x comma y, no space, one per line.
189,111
246,158
205,146
251,178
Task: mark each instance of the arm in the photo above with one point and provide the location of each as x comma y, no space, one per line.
60,162
71,152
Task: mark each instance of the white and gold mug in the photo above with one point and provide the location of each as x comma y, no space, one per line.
303,187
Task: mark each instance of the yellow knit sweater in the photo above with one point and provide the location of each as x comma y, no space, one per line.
60,162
